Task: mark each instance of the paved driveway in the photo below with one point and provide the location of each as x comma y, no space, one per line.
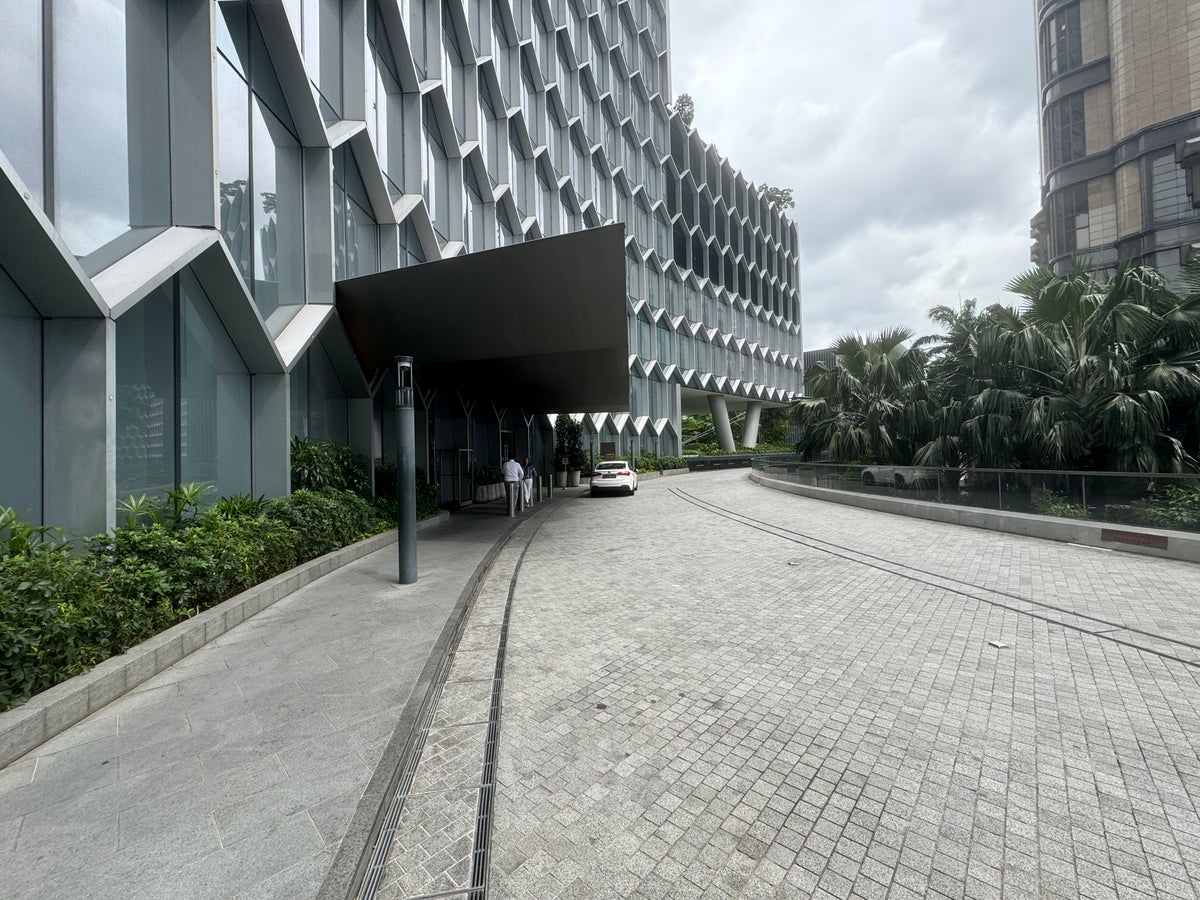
698,706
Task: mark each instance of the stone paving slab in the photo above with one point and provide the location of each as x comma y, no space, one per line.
236,771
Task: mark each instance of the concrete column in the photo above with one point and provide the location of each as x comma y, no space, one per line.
79,425
720,415
271,435
750,426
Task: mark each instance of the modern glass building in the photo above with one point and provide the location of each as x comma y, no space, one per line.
188,187
1120,102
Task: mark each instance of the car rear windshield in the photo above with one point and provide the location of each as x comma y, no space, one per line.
611,465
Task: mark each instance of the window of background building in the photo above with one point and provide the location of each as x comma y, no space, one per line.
1066,137
1169,202
1062,42
1069,220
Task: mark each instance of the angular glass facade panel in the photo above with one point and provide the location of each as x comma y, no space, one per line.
146,407
21,125
278,217
91,124
20,409
214,397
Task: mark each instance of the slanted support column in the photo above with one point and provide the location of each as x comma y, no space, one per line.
79,425
270,437
750,427
720,415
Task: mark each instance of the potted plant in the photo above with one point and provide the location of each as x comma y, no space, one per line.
569,457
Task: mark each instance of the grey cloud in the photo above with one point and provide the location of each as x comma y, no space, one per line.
906,127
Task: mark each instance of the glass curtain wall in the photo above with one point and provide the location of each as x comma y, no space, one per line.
183,396
21,409
260,171
85,116
384,103
355,232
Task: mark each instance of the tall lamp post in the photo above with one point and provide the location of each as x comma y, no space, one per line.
406,472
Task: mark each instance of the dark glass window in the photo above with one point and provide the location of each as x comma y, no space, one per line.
1066,135
1062,43
1069,217
1169,202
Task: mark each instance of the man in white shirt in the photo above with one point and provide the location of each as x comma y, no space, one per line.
513,475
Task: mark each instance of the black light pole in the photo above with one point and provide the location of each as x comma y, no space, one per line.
406,472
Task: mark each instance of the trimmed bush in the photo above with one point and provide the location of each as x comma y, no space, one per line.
63,612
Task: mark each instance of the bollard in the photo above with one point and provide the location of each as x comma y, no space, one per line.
510,496
538,487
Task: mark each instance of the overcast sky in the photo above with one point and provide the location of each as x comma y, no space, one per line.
907,129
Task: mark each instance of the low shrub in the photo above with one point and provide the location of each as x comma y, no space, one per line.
323,520
62,612
672,462
1051,503
1173,507
324,464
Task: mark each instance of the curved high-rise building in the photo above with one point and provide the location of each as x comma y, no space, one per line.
191,190
1120,100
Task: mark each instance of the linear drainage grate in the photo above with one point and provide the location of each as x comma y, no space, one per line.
481,851
379,857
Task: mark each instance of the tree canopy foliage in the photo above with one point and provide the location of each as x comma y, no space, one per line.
1092,372
781,197
686,109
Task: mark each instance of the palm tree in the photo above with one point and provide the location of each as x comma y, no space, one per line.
874,406
1090,374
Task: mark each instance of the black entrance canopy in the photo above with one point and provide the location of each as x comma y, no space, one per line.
539,325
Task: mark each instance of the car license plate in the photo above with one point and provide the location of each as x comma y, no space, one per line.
610,476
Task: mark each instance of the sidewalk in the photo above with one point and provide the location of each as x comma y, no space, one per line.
238,770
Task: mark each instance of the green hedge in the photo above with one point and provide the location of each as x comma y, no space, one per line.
62,611
648,462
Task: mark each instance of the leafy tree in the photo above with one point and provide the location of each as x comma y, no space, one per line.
686,109
875,406
781,197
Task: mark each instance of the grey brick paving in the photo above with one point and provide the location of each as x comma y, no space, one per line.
745,716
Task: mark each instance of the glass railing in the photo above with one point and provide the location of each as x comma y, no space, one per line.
1149,500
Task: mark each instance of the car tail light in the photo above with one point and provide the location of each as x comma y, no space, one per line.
623,473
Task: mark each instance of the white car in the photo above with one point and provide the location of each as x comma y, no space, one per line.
899,477
614,475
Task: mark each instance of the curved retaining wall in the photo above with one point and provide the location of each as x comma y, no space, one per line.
1180,545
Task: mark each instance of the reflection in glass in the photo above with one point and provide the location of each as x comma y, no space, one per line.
278,217
21,92
233,166
214,398
20,410
91,151
146,396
